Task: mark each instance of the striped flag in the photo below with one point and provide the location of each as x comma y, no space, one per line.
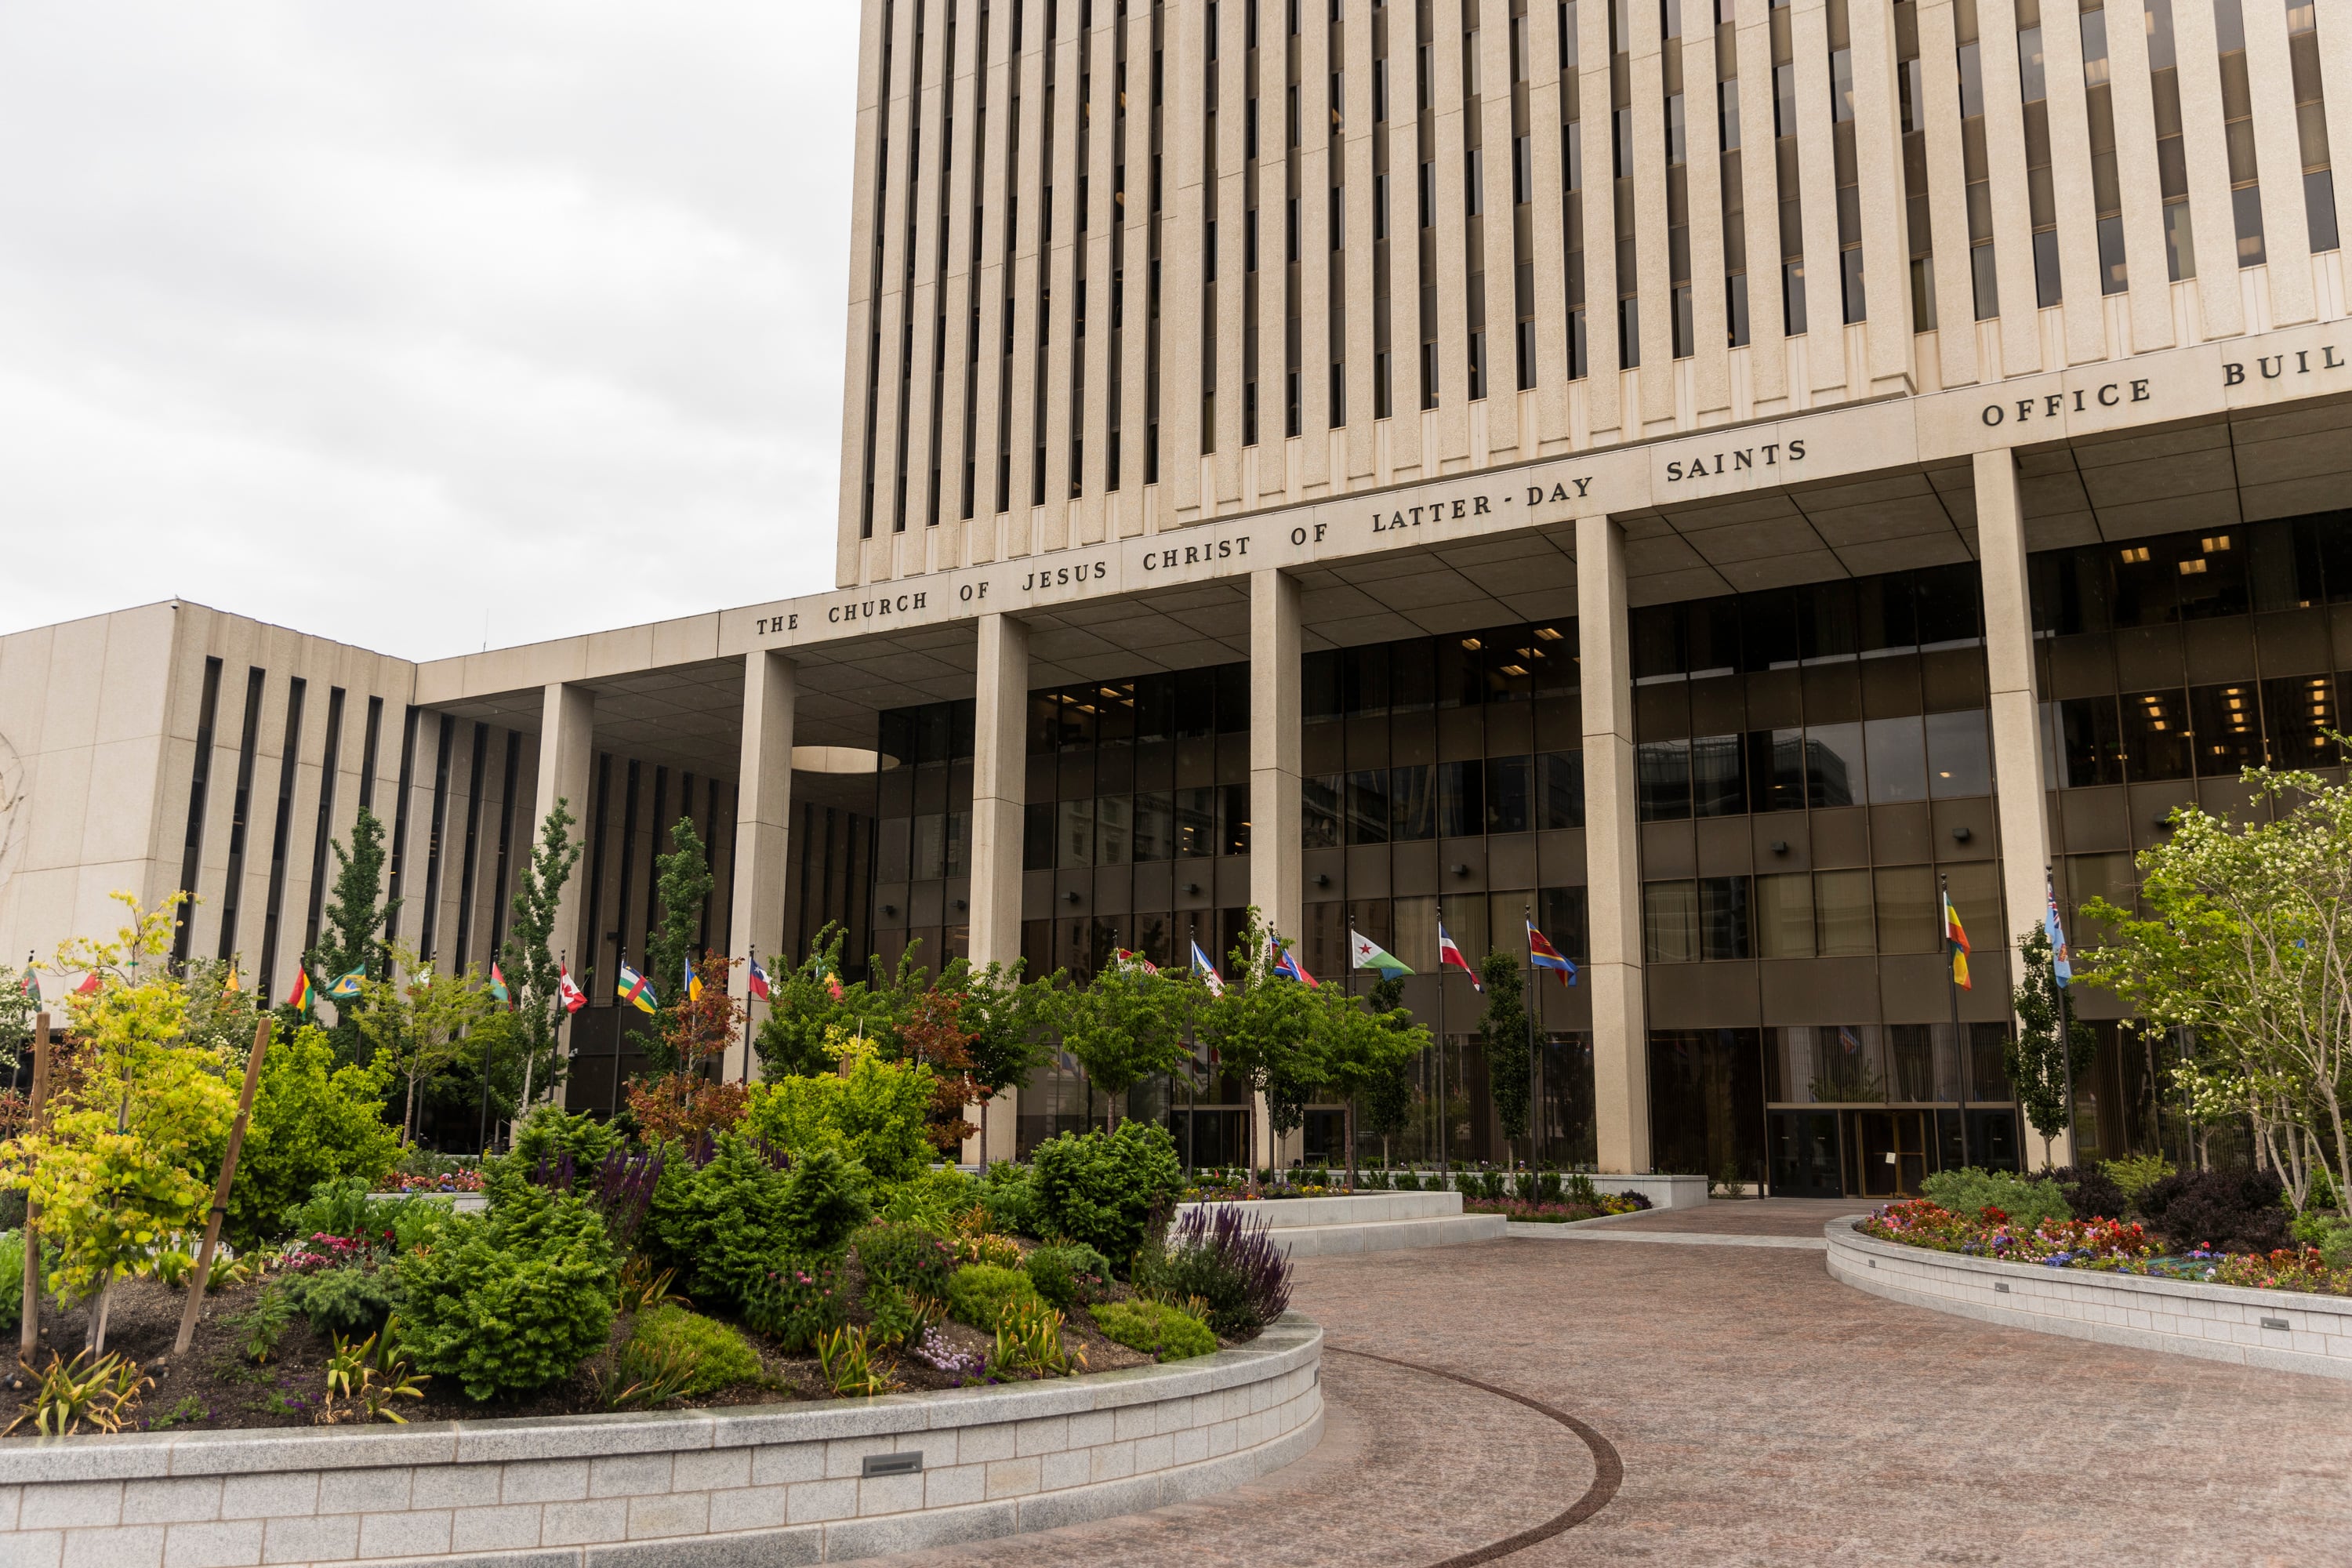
1286,964
1541,955
1449,954
299,999
636,991
1207,972
1363,953
759,981
1956,942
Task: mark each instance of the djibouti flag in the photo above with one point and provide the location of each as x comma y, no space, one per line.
1365,954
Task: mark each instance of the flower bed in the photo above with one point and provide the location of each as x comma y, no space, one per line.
2115,1246
1537,1212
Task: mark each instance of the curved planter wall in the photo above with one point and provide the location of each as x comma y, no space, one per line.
2284,1329
765,1484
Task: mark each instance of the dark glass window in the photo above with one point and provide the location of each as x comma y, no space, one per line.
1767,630
1320,685
1155,826
1194,703
1155,710
1562,914
1413,801
2155,736
1074,834
1510,784
1196,822
1661,775
1559,789
1364,680
2298,710
1960,755
1718,776
1234,823
1232,698
2228,723
1897,759
1368,807
890,850
1950,602
1776,769
1412,676
1834,774
1037,837
1723,917
1319,821
1461,806
2094,741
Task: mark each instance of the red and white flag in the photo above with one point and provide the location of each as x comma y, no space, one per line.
1447,954
572,997
759,981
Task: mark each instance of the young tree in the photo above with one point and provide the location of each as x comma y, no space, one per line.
2249,945
936,1038
531,966
681,885
1124,1027
1009,1021
352,935
685,1102
2033,1059
1387,1094
120,1172
1505,1031
1364,1050
1262,1027
803,1002
424,1021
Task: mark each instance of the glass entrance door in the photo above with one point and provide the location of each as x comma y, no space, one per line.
1804,1146
1893,1149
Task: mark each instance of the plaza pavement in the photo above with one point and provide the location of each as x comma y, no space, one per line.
1761,1413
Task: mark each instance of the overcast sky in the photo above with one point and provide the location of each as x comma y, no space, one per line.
378,318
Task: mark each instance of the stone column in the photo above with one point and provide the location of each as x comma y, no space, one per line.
567,745
763,815
2019,800
1276,880
1621,1036
1000,783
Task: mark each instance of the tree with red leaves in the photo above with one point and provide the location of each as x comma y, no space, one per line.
696,1030
934,1036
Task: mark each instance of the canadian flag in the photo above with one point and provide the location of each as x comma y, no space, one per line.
572,997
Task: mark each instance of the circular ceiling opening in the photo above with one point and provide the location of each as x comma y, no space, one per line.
838,759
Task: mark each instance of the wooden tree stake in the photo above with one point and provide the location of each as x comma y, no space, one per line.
29,1337
220,1192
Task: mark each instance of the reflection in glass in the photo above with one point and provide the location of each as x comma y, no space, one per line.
2299,710
1718,778
1834,768
1319,818
1841,913
1234,820
1723,917
1508,781
1196,822
1563,915
1413,803
1416,932
1074,834
1111,824
1910,1063
1559,789
1897,759
1669,923
2094,741
1959,758
2155,736
1368,807
1662,770
2228,723
1776,769
1460,810
1909,919
1155,826
1784,916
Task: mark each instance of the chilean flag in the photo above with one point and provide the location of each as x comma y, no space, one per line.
572,997
1447,954
1286,964
759,981
1541,955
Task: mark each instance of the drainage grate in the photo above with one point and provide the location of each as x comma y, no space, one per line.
2275,1322
2001,1286
894,1464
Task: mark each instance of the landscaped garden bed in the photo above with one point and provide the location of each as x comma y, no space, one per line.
2204,1227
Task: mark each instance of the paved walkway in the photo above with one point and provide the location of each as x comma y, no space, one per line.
1763,1414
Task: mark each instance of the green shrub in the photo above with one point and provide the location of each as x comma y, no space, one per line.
345,1207
548,1133
12,1278
877,1116
1009,1194
2135,1174
1106,1190
905,1257
1968,1191
795,1301
718,1352
513,1301
312,1122
351,1300
1154,1328
2334,1243
977,1293
1071,1275
931,1200
723,1226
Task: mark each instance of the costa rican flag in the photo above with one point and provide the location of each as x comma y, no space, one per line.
1541,955
1447,954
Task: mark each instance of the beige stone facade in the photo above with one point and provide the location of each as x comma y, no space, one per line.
1183,336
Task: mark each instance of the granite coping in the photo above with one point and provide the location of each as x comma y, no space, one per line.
1293,1342
1845,1234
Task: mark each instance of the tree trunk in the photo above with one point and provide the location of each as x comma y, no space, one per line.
409,1118
96,1338
1352,1143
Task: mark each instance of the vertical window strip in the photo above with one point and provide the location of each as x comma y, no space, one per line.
2171,147
905,279
2106,183
408,723
510,779
1977,163
1912,110
369,741
2237,131
2311,124
329,773
874,247
1784,152
282,834
1847,169
1151,281
445,743
192,852
1337,293
1620,169
1523,195
1474,205
1734,184
470,861
1383,198
2040,192
1678,259
240,809
1572,183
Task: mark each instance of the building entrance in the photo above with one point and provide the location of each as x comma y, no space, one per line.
1804,1150
1893,1149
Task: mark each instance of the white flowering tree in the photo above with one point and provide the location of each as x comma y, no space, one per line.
2248,941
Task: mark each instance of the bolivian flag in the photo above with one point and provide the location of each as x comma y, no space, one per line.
636,991
1956,941
300,998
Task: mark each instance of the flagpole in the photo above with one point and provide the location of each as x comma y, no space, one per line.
1193,1028
1534,1000
617,1022
1443,1168
2065,1027
1959,1035
747,1018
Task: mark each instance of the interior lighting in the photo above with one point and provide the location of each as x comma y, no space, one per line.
1473,644
2192,568
1549,634
2136,554
2215,542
